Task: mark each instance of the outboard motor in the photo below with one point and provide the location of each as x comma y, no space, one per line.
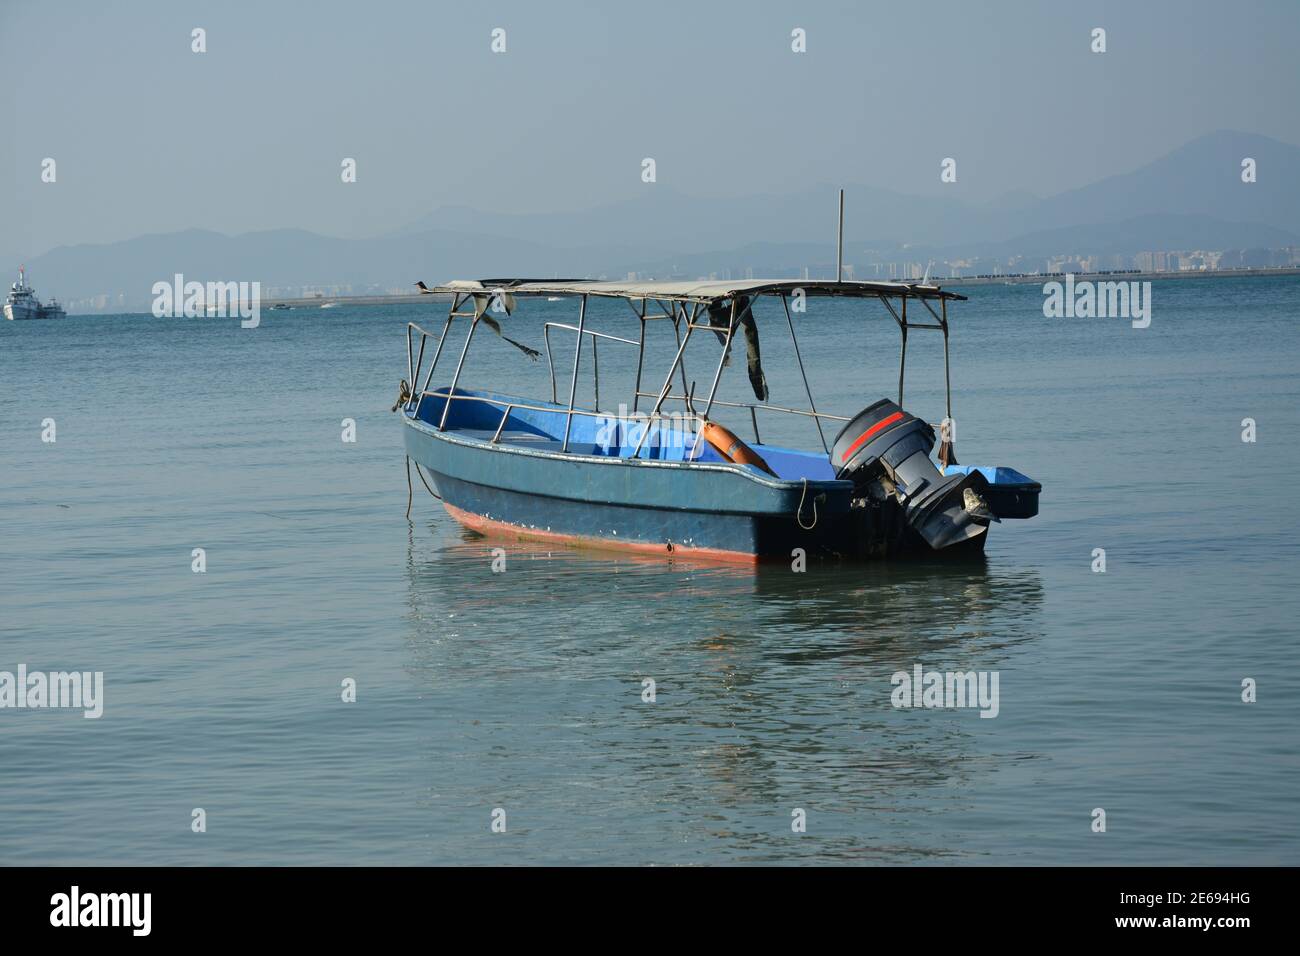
888,445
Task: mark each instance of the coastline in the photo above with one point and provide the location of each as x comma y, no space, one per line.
946,281
937,280
1018,279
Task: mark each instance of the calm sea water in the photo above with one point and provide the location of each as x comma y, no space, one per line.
522,690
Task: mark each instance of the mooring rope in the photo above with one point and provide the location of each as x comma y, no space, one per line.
798,515
419,472
403,395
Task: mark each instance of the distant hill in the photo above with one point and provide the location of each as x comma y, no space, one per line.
289,258
1193,198
1201,178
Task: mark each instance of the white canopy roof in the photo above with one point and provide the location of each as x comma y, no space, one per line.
697,290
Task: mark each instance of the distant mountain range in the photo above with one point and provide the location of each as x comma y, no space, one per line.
1193,198
1202,179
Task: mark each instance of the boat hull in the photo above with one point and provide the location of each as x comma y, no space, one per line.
723,537
712,511
22,311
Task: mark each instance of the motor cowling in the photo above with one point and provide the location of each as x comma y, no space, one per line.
885,442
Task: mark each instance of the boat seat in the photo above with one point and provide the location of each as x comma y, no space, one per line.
791,465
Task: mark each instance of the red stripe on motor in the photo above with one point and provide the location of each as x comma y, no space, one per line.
866,435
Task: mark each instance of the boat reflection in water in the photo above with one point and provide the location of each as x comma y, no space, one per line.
772,687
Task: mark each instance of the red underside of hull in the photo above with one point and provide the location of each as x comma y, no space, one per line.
494,528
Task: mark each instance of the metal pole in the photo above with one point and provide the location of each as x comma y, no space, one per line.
726,347
455,304
437,353
668,382
947,378
678,332
419,362
573,384
717,375
550,363
902,355
640,360
839,255
505,413
807,389
442,423
432,365
410,371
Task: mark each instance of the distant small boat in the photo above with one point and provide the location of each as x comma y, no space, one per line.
280,306
330,305
22,303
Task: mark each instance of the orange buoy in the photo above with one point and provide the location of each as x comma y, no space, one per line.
732,448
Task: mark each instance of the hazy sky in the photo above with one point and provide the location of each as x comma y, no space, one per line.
150,137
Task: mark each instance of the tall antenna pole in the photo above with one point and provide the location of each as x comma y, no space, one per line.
839,254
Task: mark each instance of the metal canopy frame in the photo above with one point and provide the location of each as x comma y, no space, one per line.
702,291
681,304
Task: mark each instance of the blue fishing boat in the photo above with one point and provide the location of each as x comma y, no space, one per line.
671,477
